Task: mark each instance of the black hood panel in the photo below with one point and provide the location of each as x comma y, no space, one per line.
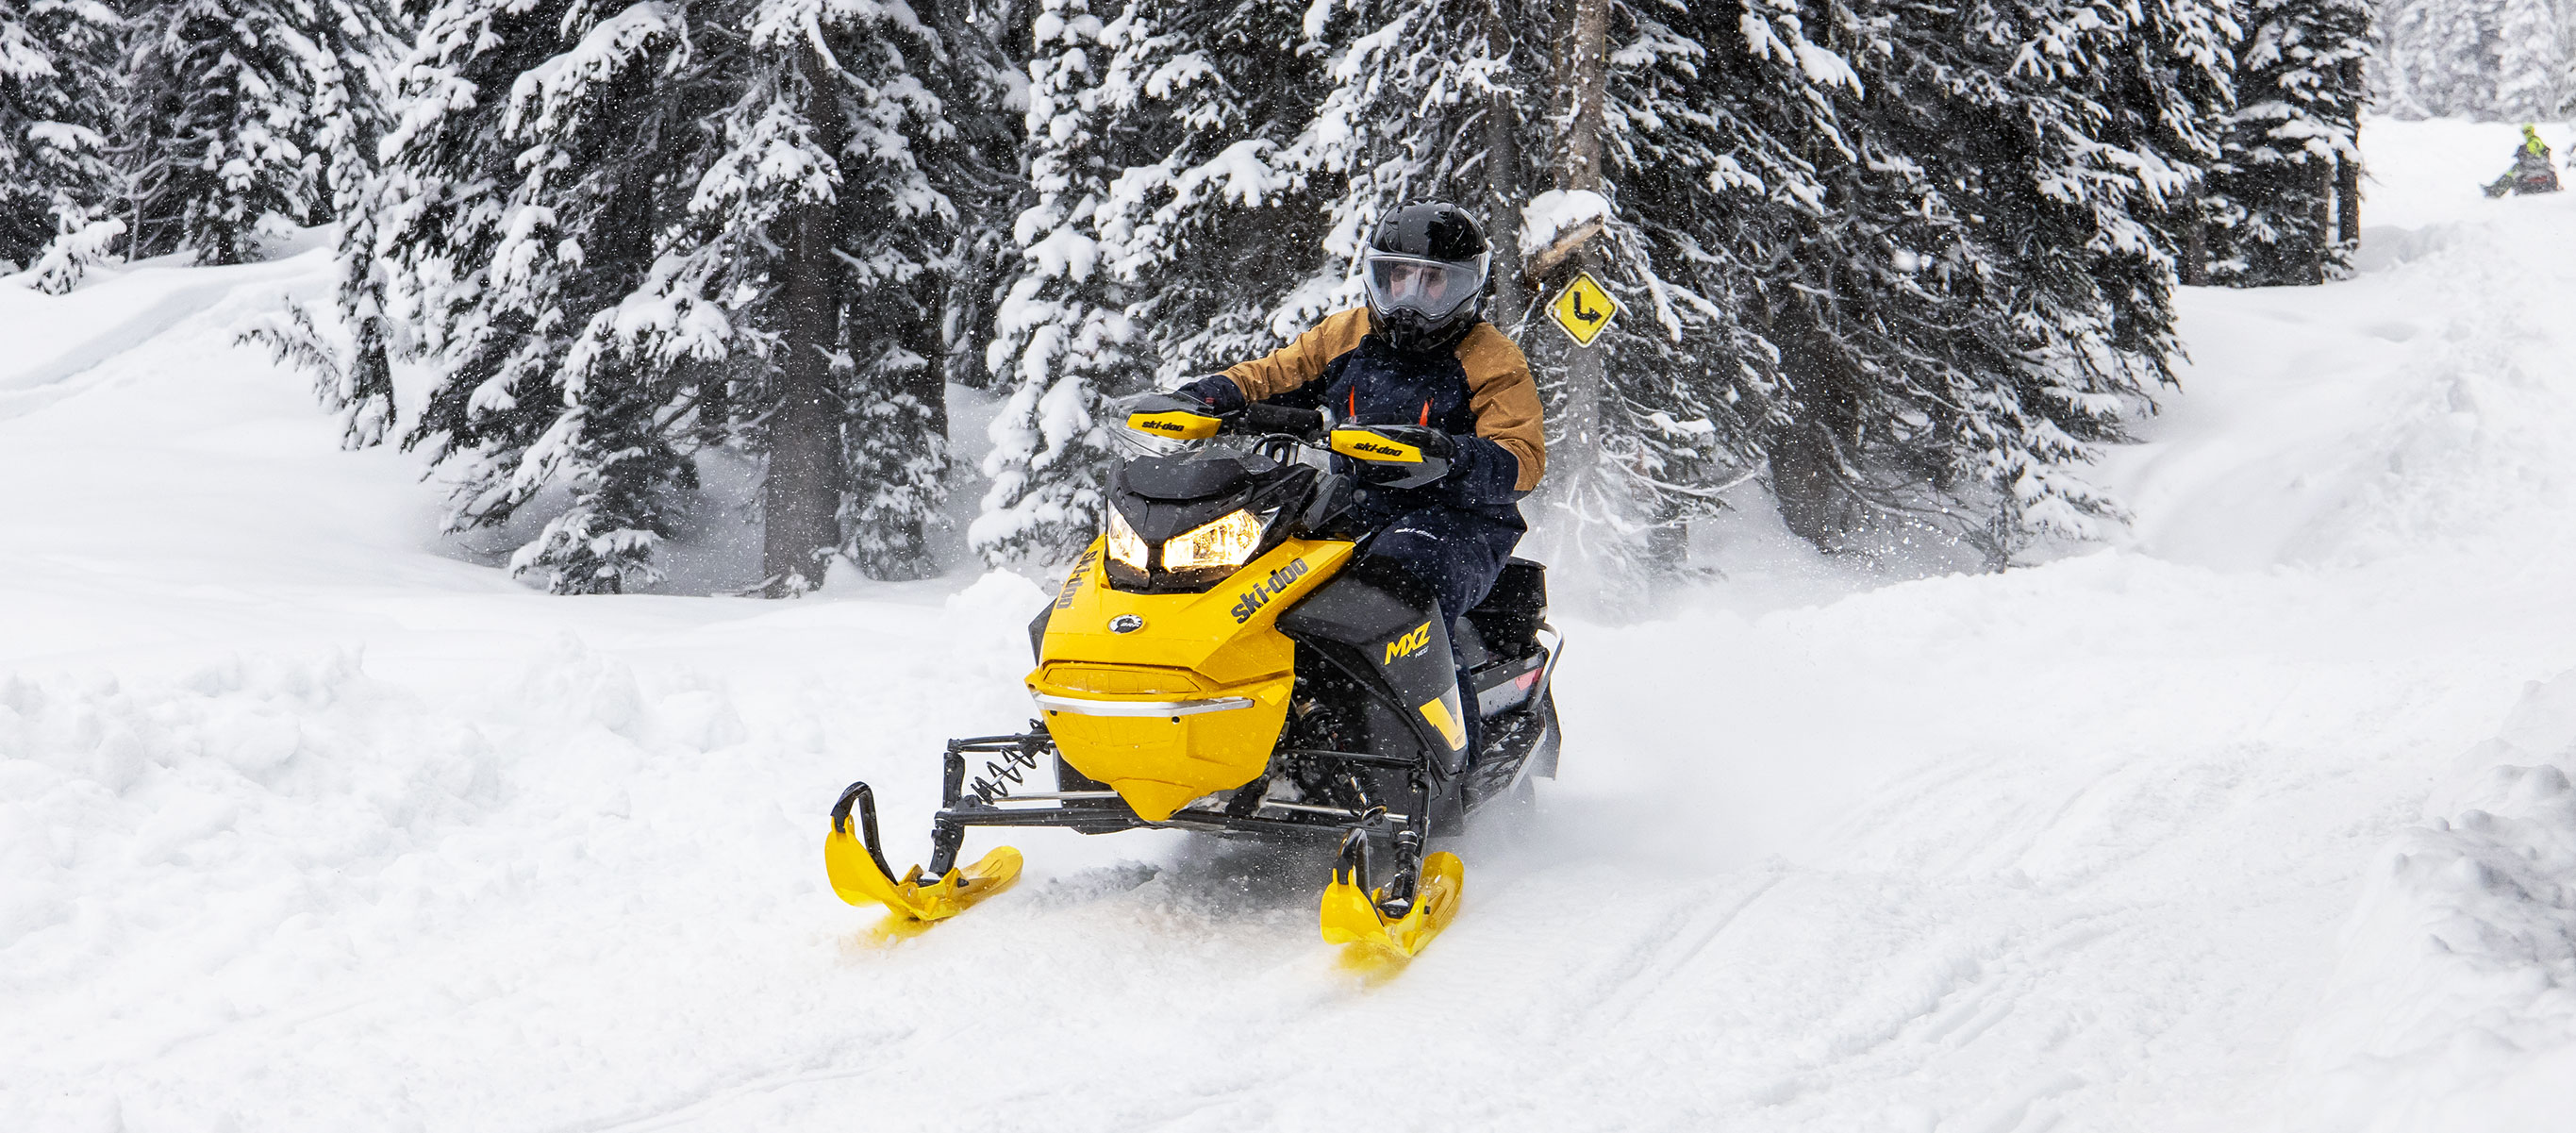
1191,476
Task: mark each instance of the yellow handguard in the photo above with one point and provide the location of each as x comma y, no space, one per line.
1361,443
1351,916
1176,424
859,874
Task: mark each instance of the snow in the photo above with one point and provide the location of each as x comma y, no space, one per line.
311,821
1556,211
2452,1006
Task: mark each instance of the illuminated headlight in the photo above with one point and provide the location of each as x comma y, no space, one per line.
1125,547
1227,542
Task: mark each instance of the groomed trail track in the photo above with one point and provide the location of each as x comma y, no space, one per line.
308,822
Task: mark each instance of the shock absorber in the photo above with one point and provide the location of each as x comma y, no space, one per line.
1409,843
1003,773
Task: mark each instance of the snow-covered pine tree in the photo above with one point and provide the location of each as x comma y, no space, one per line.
2434,58
358,42
2393,78
58,72
1851,283
1168,236
2269,200
219,126
1991,291
825,224
1062,341
2495,59
520,217
2095,303
1427,101
942,174
1209,223
2531,59
993,134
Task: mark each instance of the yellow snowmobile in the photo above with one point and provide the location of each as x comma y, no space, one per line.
1224,659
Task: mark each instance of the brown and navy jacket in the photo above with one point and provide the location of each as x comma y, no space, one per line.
1480,392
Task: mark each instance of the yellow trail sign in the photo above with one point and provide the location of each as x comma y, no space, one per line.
1583,309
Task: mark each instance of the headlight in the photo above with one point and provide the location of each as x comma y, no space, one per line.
1124,546
1227,542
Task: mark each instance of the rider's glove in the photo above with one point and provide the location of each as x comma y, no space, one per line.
1397,456
1218,391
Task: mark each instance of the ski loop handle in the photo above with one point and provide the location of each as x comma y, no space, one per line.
867,804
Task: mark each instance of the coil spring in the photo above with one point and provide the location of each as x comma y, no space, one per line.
990,786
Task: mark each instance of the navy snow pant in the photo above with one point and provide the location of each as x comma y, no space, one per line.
1457,555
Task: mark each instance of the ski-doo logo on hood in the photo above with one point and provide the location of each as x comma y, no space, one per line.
1251,601
1074,579
1409,644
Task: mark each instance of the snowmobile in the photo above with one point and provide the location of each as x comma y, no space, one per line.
2530,174
1224,658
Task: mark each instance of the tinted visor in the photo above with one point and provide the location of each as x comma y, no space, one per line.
1432,288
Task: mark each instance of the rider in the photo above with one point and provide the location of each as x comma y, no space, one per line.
1420,354
2532,171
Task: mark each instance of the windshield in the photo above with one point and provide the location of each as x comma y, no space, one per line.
1431,287
1132,442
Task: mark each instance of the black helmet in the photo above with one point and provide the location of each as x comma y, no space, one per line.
1425,267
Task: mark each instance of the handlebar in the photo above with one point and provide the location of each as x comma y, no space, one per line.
1262,417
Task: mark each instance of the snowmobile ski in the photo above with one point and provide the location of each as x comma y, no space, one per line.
859,873
1352,916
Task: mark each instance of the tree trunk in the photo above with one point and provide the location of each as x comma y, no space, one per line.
2348,201
800,497
1807,468
2321,219
1503,181
2348,172
927,384
1805,479
2195,247
1668,541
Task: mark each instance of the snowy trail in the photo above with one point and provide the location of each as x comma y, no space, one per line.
305,826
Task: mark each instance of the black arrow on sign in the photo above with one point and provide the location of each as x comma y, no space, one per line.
1580,312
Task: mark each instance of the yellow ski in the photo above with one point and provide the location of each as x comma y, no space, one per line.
859,873
1351,916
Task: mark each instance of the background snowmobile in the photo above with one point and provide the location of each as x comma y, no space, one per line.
2531,173
1222,659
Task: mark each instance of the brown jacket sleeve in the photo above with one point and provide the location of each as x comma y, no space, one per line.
1505,399
1303,360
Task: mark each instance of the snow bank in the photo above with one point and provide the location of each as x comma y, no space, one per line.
2454,1004
2419,409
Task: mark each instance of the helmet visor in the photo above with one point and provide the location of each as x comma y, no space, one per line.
1432,288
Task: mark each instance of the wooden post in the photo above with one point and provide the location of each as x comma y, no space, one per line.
1585,65
1503,181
